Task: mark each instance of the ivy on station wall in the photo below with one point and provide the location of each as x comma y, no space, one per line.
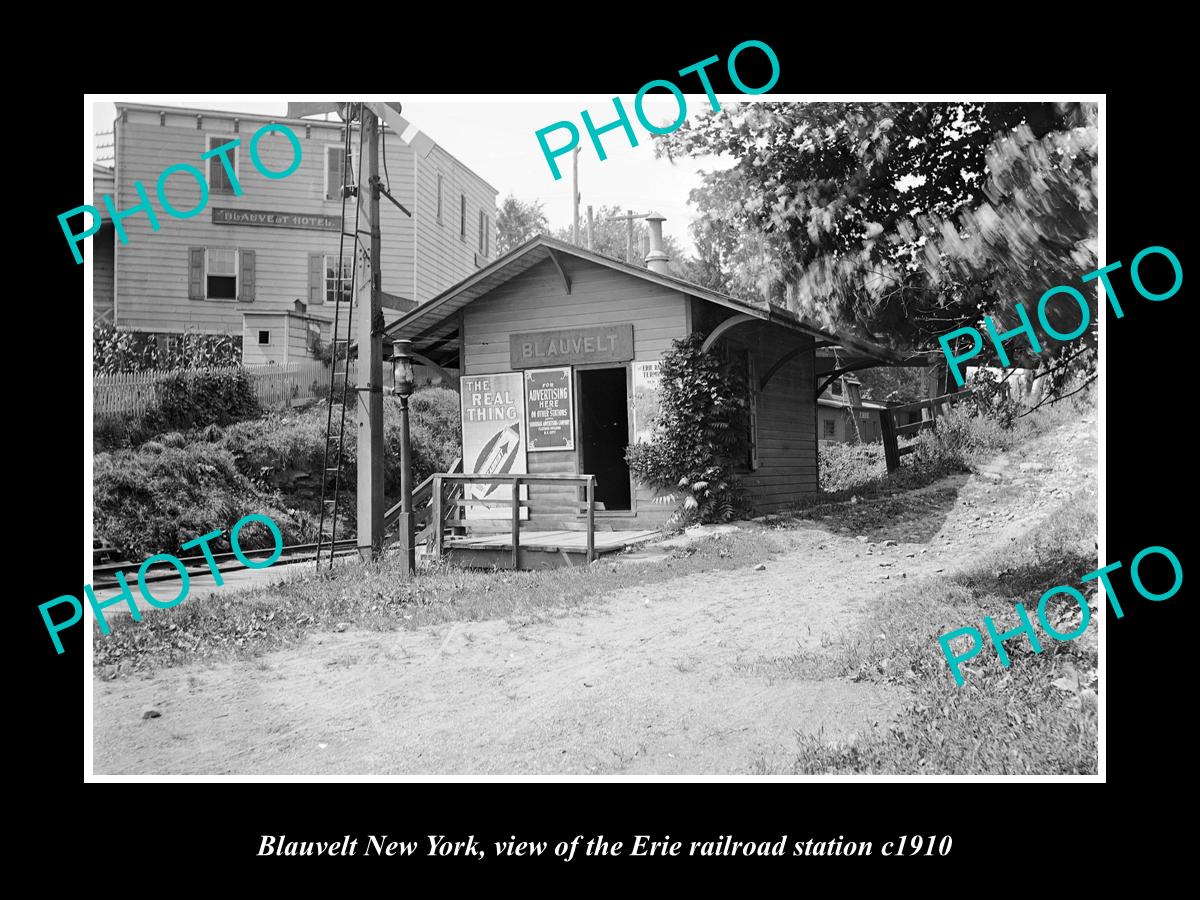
701,432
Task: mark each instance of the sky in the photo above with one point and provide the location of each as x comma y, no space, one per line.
495,137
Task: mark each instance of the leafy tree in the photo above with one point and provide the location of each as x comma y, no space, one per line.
906,384
901,222
519,221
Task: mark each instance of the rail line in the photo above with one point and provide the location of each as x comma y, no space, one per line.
226,562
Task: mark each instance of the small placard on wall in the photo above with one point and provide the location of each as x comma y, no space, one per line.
646,400
549,409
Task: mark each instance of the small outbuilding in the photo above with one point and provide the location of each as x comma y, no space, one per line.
844,417
558,350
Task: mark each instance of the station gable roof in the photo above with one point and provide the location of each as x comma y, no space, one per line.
426,317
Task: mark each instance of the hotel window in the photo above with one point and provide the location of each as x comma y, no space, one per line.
830,428
220,274
218,179
439,200
335,164
836,387
462,217
331,277
264,337
483,234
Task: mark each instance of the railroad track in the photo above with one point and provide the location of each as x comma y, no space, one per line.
104,573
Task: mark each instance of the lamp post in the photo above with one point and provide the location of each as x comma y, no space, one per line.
402,372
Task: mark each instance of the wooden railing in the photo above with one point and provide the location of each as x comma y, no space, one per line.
515,503
891,431
422,504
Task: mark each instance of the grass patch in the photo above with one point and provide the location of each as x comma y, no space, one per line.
378,597
1037,716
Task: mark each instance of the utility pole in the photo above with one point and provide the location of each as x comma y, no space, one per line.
589,226
575,197
370,368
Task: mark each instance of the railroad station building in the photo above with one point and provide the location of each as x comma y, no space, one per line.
559,348
263,264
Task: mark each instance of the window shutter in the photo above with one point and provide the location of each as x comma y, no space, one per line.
247,281
195,273
316,278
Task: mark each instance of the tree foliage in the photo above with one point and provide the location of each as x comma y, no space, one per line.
905,383
700,433
899,222
519,221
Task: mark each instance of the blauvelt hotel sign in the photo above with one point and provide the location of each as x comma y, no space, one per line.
225,216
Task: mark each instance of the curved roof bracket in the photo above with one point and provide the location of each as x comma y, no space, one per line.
732,322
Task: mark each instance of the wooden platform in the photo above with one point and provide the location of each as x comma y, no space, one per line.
538,549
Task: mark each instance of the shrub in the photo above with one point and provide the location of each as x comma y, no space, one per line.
701,430
185,400
282,447
959,439
113,432
844,466
156,498
129,351
992,399
205,397
435,432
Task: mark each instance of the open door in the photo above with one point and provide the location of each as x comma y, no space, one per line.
604,435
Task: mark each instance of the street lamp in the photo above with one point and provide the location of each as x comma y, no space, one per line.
402,376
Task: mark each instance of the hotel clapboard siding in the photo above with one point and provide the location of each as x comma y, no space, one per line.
536,300
447,256
151,272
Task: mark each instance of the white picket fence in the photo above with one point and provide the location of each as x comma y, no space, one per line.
276,387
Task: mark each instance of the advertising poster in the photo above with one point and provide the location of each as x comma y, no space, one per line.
549,409
645,399
493,437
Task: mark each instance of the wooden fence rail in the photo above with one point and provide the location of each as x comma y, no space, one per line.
891,431
276,387
441,478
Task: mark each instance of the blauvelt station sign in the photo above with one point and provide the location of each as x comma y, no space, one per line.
225,216
572,346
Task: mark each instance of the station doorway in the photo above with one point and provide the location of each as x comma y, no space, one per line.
604,434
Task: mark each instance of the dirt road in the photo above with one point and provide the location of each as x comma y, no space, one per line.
652,680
